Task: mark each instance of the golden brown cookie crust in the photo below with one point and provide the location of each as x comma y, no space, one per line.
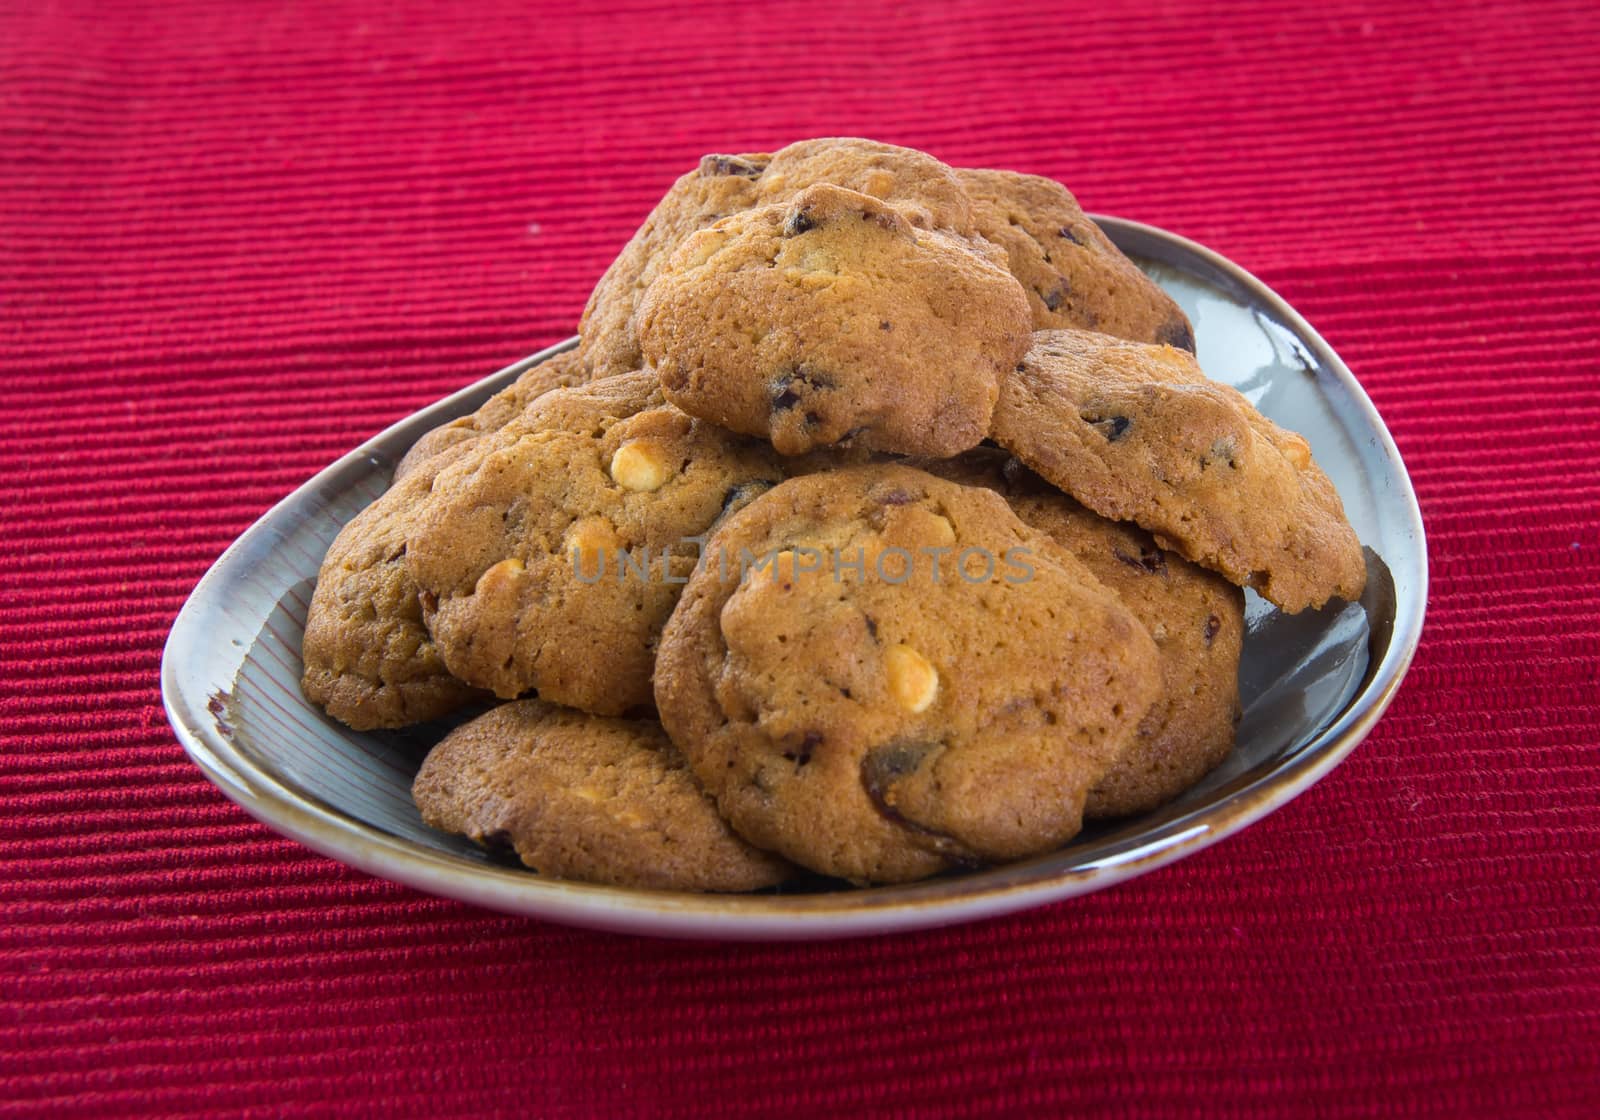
558,372
720,186
1138,433
832,319
369,661
587,798
1196,618
926,190
603,470
879,730
1073,275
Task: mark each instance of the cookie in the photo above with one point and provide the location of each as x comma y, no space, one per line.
587,798
550,557
927,191
721,185
1196,618
1073,274
1138,433
557,372
880,674
369,661
832,319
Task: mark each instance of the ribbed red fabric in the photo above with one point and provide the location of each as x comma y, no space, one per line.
237,238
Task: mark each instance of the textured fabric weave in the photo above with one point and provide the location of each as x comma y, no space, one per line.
235,239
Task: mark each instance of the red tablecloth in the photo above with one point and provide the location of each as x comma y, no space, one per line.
235,239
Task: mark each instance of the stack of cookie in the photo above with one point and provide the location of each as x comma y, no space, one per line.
881,524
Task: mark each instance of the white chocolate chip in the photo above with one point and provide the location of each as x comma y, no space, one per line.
639,466
500,578
590,538
913,681
937,527
784,569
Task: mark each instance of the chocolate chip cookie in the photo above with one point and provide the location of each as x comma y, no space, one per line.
1138,433
1196,618
1073,274
831,319
369,661
880,674
560,371
551,556
584,797
721,185
927,191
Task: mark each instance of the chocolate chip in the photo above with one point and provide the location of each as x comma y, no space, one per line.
1150,559
897,497
1112,427
742,494
886,326
799,222
786,396
801,754
1177,332
1213,624
872,625
1052,298
883,766
731,165
1071,235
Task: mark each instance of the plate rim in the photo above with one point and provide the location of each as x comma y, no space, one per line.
845,913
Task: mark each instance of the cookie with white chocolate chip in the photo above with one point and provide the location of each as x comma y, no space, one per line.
831,319
1196,618
1138,433
1073,274
550,557
585,797
911,680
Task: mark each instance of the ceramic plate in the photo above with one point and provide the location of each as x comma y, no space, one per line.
1312,684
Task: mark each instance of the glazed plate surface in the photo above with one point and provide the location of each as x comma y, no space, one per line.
1312,684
